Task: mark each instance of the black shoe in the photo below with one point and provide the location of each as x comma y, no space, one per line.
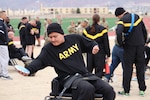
10,64
123,93
38,45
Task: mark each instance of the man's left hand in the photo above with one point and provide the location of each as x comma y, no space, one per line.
95,49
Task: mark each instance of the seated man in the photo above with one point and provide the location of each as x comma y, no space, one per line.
15,52
64,53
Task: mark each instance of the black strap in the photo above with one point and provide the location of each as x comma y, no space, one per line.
68,83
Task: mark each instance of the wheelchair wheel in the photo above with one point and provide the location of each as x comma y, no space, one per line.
47,98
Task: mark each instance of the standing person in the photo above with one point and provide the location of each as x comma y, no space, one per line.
9,26
82,26
99,34
46,38
59,19
38,23
45,27
31,30
72,27
147,51
22,32
64,53
4,55
104,23
117,58
133,45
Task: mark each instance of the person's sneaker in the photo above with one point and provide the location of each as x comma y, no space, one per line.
38,45
135,78
141,93
105,79
123,93
26,58
10,63
6,77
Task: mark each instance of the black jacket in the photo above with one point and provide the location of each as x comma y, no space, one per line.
22,33
3,33
101,37
138,35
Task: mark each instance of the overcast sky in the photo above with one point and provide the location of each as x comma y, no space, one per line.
35,4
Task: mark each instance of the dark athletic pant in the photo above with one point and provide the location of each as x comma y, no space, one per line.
96,62
86,90
134,54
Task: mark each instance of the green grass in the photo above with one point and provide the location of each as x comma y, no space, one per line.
65,23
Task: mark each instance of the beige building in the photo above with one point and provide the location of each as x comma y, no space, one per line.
74,10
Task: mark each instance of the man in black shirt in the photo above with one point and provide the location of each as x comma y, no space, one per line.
64,53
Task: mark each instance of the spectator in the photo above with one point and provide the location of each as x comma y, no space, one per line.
22,32
82,26
38,25
9,26
104,23
99,34
117,58
15,52
4,55
31,30
72,27
48,21
133,29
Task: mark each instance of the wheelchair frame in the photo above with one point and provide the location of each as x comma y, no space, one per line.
54,95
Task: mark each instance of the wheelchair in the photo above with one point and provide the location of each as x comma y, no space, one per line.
58,93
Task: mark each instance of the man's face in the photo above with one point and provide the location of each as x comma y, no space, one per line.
25,21
7,20
120,16
4,16
56,38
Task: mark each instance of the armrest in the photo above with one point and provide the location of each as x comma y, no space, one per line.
55,87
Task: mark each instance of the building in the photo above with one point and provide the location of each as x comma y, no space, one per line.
74,10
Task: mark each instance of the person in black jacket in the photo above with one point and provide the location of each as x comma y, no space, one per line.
4,56
39,28
133,45
64,53
31,31
99,34
22,32
147,52
9,26
15,52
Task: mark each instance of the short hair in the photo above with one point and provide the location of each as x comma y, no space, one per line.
1,12
23,18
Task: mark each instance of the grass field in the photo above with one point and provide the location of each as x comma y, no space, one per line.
65,23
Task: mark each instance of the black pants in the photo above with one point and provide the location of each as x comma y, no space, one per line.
96,62
147,50
133,54
86,90
19,54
